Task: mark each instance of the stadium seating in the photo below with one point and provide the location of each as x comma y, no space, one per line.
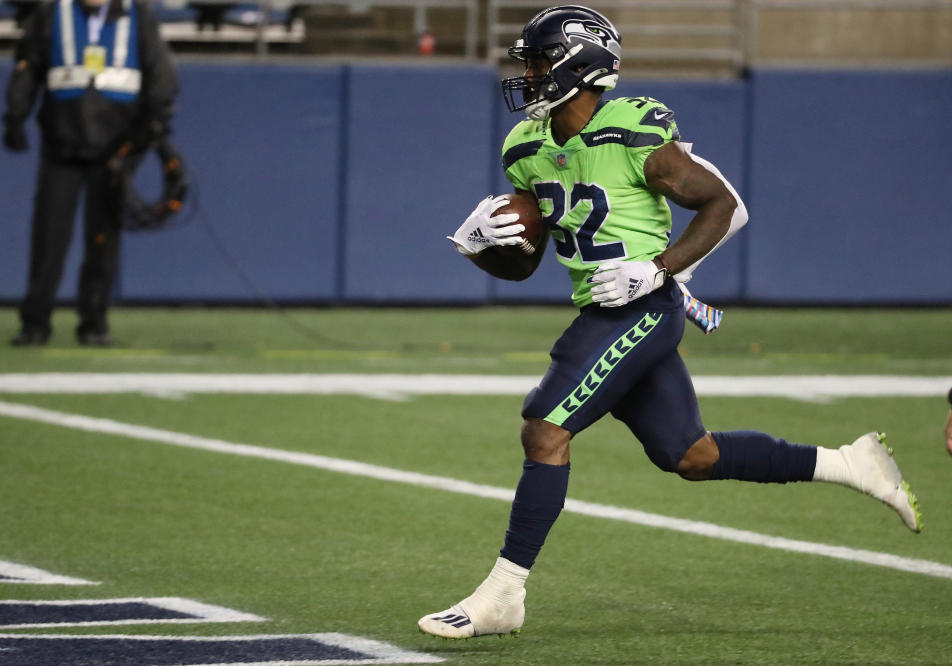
663,38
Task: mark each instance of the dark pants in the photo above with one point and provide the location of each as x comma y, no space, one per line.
54,210
625,361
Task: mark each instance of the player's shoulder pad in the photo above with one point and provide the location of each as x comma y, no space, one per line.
646,116
523,140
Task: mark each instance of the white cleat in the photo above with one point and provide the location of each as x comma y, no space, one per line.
874,472
478,615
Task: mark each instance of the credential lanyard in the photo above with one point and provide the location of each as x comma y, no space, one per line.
95,23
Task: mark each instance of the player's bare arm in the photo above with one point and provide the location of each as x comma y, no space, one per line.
671,171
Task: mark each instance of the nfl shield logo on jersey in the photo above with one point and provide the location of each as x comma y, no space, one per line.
561,160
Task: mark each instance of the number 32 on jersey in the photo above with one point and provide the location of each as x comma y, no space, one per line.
578,241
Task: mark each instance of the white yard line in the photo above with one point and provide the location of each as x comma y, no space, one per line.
11,572
111,427
397,386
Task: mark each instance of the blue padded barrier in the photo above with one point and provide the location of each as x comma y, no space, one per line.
262,146
18,176
338,184
849,176
419,150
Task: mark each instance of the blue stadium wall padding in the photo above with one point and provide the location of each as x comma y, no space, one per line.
849,179
419,152
338,183
18,175
262,144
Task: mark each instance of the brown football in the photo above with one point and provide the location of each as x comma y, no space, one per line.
526,206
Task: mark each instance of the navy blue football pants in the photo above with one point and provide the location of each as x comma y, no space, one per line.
625,361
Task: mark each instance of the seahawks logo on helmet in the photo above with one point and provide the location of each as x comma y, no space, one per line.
592,31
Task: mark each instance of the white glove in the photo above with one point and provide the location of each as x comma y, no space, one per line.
481,230
618,283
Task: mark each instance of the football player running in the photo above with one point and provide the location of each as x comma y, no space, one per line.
602,171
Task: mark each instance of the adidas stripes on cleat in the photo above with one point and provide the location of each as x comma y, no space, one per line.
448,624
477,615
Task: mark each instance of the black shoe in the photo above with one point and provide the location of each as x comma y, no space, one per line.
93,339
30,338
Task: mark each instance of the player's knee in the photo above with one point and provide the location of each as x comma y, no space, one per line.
662,458
665,449
698,463
545,442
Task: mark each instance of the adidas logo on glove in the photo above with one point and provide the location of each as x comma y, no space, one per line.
477,237
633,287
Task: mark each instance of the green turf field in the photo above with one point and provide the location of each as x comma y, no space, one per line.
313,550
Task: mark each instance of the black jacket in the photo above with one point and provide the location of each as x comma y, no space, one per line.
91,127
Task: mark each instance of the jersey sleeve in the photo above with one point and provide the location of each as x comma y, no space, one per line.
515,176
654,124
521,142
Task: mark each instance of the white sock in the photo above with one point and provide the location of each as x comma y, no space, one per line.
831,467
505,579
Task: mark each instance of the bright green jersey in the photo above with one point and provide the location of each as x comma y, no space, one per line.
592,190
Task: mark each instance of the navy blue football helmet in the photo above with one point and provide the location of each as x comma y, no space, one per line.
583,49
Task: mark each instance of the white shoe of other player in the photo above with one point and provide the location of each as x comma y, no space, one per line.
868,466
496,607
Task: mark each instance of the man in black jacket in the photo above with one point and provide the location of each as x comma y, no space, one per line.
109,88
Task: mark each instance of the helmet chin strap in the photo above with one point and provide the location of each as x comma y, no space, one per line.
538,110
541,109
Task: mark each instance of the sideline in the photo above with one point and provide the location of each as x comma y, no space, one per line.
402,386
111,427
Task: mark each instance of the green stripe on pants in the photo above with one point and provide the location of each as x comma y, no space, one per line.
602,368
